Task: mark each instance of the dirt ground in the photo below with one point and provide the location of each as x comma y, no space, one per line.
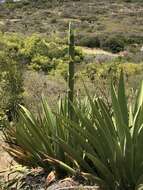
5,159
65,184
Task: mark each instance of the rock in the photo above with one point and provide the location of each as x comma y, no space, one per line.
70,184
67,182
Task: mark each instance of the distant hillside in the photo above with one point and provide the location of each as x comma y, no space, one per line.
95,20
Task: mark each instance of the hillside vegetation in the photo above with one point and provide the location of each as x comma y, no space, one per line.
97,23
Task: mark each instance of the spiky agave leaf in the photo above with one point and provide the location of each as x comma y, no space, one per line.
34,139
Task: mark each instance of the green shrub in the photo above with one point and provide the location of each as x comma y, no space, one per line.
110,42
37,52
89,41
11,84
114,44
3,119
112,69
61,68
34,45
43,63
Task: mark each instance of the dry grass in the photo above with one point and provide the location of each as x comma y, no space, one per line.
96,51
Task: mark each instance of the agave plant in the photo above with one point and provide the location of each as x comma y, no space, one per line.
32,142
104,143
112,140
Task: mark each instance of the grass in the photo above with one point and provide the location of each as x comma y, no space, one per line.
54,86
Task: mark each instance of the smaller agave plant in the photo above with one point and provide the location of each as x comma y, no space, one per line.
104,143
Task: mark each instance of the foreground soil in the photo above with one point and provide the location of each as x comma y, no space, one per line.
5,159
37,179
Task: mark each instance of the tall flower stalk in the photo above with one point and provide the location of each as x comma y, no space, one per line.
71,70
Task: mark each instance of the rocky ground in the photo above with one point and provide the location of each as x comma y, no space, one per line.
5,159
35,179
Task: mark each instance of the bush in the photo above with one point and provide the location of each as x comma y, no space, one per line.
34,45
37,52
42,63
114,44
111,69
89,41
3,119
11,84
62,68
